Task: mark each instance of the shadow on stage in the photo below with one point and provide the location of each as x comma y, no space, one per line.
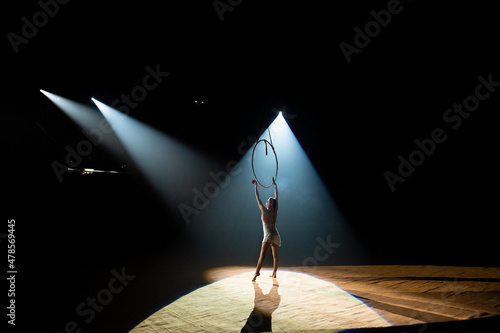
260,319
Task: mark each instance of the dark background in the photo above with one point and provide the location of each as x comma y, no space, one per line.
353,120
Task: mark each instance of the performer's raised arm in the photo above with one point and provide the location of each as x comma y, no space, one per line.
257,196
275,190
275,194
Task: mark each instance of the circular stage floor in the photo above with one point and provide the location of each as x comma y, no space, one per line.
330,298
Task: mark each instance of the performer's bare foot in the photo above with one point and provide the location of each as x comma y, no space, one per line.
255,276
273,275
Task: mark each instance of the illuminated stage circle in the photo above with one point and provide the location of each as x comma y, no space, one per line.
275,157
294,302
334,298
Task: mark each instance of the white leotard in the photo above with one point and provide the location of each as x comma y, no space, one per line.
271,234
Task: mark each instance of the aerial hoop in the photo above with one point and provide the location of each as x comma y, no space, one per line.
275,157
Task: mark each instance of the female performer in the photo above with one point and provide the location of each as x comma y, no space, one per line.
271,234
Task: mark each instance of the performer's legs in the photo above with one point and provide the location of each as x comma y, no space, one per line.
276,258
263,251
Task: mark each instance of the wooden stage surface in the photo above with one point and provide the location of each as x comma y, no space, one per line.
331,298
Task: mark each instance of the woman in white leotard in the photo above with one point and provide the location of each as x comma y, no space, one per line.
271,235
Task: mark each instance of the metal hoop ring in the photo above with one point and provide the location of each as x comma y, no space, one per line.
275,157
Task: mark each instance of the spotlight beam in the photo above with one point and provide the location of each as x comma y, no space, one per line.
307,210
94,126
170,167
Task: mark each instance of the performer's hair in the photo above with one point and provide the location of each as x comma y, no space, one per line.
274,203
